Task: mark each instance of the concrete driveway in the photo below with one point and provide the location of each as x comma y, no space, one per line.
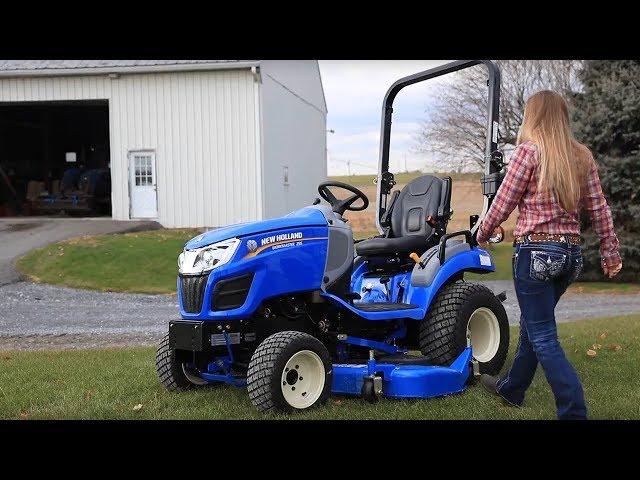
44,316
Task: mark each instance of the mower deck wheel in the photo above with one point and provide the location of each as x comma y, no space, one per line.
368,391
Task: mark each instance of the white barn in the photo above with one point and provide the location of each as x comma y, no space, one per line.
191,143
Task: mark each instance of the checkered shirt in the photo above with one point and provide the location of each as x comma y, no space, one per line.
541,213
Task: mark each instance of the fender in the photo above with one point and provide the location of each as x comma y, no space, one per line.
476,260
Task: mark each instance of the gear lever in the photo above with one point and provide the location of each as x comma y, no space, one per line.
384,281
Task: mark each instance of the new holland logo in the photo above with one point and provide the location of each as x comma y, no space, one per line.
277,242
283,237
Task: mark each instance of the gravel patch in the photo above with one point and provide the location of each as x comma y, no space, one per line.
38,316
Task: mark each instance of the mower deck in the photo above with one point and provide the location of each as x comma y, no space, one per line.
394,380
404,381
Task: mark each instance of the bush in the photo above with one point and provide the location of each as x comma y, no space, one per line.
607,119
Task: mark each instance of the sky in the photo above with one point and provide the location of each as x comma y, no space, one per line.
354,90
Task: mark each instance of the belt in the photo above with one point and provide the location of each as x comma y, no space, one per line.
548,237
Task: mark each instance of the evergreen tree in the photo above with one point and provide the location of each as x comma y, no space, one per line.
606,118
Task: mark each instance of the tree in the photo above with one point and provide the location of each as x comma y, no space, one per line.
455,127
606,118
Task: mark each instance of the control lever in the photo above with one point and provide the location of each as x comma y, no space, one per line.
384,281
416,258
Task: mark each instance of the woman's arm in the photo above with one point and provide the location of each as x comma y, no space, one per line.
600,214
510,192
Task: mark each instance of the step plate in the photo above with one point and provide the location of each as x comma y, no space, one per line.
383,306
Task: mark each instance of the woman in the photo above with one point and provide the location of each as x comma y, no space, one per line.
550,177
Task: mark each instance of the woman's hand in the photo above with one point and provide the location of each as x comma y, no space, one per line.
498,231
611,270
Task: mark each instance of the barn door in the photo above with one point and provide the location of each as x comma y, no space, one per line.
142,180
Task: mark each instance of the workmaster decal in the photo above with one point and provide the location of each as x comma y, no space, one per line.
276,242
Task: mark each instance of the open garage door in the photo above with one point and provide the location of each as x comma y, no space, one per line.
54,158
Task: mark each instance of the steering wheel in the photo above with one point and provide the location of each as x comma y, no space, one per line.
340,206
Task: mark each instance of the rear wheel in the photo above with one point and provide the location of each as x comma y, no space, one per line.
175,376
289,371
464,309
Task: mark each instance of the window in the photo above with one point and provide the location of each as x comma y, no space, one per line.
143,173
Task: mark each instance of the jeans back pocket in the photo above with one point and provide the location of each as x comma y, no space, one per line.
546,265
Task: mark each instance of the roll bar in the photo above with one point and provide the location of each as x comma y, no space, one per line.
493,164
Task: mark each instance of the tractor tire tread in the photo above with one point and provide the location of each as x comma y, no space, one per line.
261,369
437,332
169,372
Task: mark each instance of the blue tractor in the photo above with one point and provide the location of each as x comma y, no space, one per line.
294,309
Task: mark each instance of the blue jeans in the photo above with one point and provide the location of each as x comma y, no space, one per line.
541,274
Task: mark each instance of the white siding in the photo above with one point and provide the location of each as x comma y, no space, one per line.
202,126
293,134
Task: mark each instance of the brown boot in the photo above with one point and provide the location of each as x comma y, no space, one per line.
490,384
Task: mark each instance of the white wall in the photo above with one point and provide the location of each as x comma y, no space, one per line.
293,134
202,125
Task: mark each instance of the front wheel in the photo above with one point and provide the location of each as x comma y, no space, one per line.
464,309
175,376
289,371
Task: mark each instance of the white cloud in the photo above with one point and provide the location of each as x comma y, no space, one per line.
354,92
353,87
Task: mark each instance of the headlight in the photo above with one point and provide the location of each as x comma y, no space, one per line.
207,258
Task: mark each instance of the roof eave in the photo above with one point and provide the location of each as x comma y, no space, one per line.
127,70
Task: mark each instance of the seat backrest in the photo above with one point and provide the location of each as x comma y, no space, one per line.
419,199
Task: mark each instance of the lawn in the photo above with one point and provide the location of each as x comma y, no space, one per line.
403,178
144,262
109,384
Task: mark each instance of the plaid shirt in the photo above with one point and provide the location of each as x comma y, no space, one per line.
541,213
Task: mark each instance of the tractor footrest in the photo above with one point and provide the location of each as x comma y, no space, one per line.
383,306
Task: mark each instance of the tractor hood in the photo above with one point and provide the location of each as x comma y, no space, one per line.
305,217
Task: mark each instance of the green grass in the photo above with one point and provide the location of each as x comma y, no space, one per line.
502,253
145,262
401,178
142,262
107,384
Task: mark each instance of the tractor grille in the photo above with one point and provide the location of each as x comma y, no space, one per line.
231,292
192,291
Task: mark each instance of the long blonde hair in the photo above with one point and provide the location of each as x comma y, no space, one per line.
563,160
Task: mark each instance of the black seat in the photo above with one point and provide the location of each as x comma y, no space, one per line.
419,211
